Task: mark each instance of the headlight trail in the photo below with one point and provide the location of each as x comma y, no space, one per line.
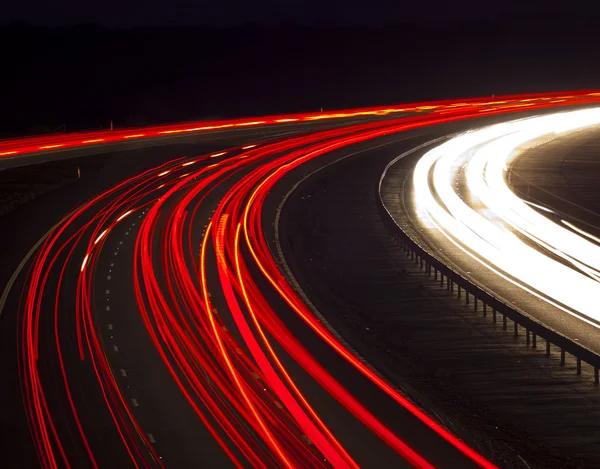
496,227
203,283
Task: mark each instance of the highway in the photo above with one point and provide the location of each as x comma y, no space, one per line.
560,175
158,328
545,267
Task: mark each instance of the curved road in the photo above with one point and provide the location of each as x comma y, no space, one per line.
459,205
158,325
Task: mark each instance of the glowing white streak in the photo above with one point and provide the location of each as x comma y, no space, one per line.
539,207
579,230
102,235
124,215
512,209
488,151
85,259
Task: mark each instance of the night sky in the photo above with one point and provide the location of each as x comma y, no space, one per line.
117,13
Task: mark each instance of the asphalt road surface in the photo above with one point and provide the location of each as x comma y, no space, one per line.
156,325
552,291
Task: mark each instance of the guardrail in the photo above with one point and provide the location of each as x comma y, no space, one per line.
454,282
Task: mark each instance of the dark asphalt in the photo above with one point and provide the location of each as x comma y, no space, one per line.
180,439
398,195
22,228
516,406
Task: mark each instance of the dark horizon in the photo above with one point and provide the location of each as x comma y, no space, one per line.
533,16
88,75
152,13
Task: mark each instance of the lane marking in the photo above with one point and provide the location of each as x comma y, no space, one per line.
288,272
35,247
148,143
25,260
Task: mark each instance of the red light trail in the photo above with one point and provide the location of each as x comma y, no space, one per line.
30,145
204,282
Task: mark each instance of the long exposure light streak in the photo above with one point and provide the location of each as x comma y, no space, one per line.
542,256
203,279
23,146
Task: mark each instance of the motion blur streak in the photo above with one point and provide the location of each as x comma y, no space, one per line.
93,140
216,308
557,264
22,146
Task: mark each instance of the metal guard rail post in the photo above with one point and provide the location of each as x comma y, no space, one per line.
425,260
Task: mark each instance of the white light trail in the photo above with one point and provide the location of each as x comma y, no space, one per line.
85,259
124,215
498,228
102,235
